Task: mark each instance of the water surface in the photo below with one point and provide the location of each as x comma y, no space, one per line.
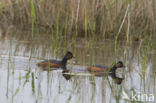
21,81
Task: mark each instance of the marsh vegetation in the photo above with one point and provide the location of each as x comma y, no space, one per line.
97,32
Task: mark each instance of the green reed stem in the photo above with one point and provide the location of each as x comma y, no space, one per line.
86,22
33,18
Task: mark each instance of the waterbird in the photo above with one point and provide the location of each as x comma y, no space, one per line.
101,70
46,64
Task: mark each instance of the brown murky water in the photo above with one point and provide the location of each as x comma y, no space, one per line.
21,81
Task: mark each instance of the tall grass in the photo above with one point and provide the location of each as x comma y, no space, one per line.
80,15
33,17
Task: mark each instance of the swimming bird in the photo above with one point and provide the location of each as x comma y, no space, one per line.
101,70
56,63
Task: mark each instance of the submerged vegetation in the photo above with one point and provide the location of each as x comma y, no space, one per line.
128,19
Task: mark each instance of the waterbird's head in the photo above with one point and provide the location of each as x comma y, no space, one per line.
119,64
69,55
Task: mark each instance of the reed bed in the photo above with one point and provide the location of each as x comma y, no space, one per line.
97,18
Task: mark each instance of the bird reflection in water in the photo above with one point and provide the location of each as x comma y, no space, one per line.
66,76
